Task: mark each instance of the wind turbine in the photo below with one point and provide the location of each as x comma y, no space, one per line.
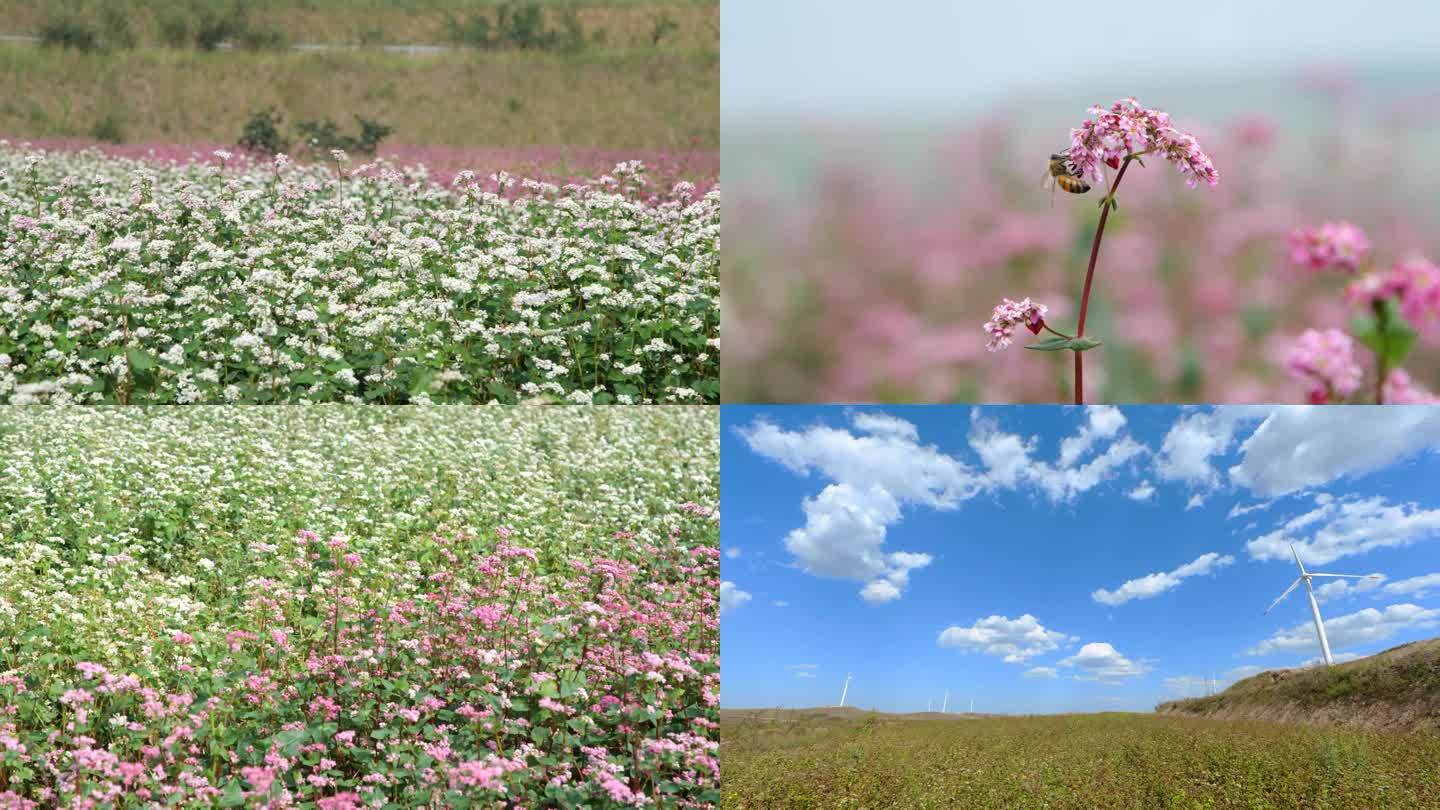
972,705
845,691
1314,607
946,704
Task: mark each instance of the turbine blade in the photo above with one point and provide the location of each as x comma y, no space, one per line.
1350,576
1285,594
1296,555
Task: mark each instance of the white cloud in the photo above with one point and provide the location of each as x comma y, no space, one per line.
1195,439
1041,672
906,470
1014,639
1237,510
1190,684
879,467
732,553
875,472
883,424
881,590
1346,588
1155,584
1196,685
1350,630
1419,586
1196,500
801,666
1008,462
1102,422
780,603
1098,661
1306,446
731,597
1338,658
803,674
1141,493
1346,527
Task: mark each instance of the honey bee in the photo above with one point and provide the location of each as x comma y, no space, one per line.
1062,173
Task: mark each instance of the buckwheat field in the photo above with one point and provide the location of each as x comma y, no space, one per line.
262,280
343,607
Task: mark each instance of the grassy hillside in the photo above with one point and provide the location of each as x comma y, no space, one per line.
612,74
1395,689
660,101
815,758
614,23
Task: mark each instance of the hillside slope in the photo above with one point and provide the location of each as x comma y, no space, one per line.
1398,689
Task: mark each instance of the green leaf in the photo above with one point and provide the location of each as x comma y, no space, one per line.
1386,333
140,360
1054,343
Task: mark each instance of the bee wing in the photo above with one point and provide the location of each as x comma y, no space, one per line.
1048,181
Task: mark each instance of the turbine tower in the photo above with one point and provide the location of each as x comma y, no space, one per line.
946,704
1314,607
845,691
972,705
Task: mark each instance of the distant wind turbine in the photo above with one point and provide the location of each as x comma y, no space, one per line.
972,705
1314,607
946,704
845,691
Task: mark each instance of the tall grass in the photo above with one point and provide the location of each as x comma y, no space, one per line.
1100,760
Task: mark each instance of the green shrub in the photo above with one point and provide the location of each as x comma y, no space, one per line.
175,29
262,133
68,32
108,129
660,25
520,26
324,135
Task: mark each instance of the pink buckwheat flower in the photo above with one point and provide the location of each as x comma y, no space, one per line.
1418,282
1337,245
1009,314
1325,360
182,638
1129,129
1399,389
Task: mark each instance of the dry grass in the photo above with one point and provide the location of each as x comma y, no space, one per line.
1397,689
815,759
629,100
625,23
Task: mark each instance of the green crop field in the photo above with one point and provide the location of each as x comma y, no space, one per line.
358,607
830,759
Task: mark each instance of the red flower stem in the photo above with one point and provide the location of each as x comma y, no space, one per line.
1090,277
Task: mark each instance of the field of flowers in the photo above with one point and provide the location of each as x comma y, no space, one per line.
874,271
131,282
805,759
342,607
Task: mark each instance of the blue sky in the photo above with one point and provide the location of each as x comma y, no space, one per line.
1048,559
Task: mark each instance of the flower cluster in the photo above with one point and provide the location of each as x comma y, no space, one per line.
1129,129
129,282
1413,283
1325,360
533,660
1390,303
1008,315
1333,245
